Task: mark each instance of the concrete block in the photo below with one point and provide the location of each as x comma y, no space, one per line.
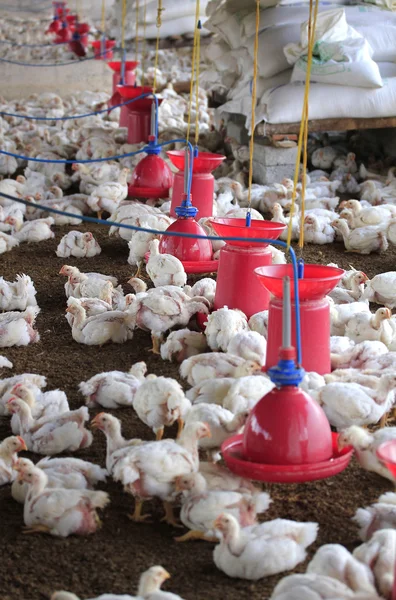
269,156
236,129
265,175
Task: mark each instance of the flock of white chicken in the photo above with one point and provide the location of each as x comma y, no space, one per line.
222,365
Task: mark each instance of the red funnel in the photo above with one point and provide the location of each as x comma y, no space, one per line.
129,76
205,162
71,19
63,35
54,26
318,280
152,178
77,47
195,254
232,451
387,455
139,112
258,229
97,48
133,91
115,65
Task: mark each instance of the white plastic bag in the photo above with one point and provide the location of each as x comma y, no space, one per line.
341,55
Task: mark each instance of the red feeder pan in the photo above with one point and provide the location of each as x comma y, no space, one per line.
152,178
202,185
314,313
107,54
64,35
77,47
139,112
129,74
55,26
195,254
237,284
232,451
71,19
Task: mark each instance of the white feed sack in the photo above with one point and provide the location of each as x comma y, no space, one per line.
341,55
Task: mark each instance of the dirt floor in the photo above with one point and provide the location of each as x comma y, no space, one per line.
32,567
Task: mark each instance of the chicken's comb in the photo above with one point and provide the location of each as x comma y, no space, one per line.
21,440
12,399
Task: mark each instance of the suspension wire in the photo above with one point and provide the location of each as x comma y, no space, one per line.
253,117
159,23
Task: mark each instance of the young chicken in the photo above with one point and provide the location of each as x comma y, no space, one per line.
201,507
7,242
317,230
9,449
17,295
205,288
357,356
159,402
249,345
182,344
366,444
378,516
213,365
37,382
340,314
116,444
315,587
108,195
113,389
382,289
111,326
69,473
5,363
259,323
59,512
31,231
87,285
379,554
150,469
220,478
42,404
352,291
76,243
52,435
365,326
92,306
222,325
362,240
75,273
373,215
164,269
261,550
17,328
335,561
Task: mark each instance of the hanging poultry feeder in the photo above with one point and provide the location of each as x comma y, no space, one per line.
71,19
55,25
82,29
64,34
196,254
287,437
60,9
202,187
139,112
151,178
129,73
103,50
76,45
237,284
387,455
315,282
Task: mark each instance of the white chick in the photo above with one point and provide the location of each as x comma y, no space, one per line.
159,402
259,323
379,554
382,289
108,195
114,388
313,587
182,344
261,550
59,512
366,444
335,561
378,516
9,449
214,365
206,288
219,477
112,326
31,231
365,326
278,256
164,269
42,404
76,243
323,158
201,507
357,356
340,314
317,230
249,345
5,363
363,240
222,325
7,242
17,295
52,435
353,293
17,328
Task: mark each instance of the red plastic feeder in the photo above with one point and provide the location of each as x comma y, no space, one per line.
129,73
202,186
151,178
63,35
237,284
71,19
55,26
139,112
318,281
106,53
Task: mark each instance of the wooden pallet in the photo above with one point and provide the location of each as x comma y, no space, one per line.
348,124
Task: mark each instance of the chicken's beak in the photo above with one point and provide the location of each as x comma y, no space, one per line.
178,486
61,271
365,278
68,309
207,433
388,313
217,523
166,575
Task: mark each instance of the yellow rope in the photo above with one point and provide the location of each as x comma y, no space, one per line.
194,54
159,23
198,61
137,32
103,15
123,22
303,135
254,101
144,40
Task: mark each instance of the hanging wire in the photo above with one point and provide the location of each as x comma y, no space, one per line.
137,32
123,21
159,23
304,124
194,53
253,118
144,41
197,68
103,16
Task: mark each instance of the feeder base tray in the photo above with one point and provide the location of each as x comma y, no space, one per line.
196,267
144,192
232,450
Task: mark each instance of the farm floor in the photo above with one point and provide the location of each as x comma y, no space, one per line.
32,567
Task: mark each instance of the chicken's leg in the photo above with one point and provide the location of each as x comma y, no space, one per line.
196,535
383,419
36,529
159,434
137,515
99,214
156,344
180,428
169,516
